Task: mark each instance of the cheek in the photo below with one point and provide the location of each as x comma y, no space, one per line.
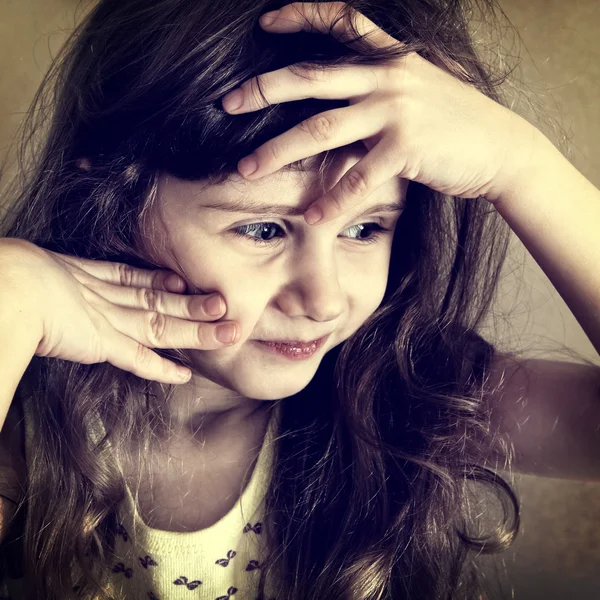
207,267
367,278
245,300
366,289
366,299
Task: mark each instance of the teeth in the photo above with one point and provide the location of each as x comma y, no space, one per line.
295,349
303,349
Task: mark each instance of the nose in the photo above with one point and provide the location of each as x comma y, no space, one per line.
313,288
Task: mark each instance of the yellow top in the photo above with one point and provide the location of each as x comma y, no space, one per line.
217,563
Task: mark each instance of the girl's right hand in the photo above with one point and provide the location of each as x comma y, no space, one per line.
94,311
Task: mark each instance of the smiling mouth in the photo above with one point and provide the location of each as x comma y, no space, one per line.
292,349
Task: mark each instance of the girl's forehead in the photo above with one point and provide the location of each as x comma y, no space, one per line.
281,194
289,186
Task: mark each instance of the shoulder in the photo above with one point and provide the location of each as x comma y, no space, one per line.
550,411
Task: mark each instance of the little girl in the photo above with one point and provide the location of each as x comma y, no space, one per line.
207,393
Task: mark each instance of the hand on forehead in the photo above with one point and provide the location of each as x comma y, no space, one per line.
286,192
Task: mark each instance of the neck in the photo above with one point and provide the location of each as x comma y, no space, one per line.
202,408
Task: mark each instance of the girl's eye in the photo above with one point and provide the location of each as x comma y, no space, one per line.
267,233
371,231
260,233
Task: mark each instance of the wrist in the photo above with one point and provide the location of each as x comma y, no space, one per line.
18,344
535,166
19,317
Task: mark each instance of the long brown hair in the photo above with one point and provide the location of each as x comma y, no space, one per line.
377,455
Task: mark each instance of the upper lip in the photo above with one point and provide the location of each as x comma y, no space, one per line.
296,340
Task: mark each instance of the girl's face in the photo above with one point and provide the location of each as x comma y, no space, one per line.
281,278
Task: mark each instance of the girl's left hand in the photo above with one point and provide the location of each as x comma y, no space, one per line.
416,120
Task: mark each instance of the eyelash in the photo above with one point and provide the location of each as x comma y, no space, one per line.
243,230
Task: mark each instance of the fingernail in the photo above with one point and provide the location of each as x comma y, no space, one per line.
313,215
233,100
184,373
214,305
269,18
226,333
248,165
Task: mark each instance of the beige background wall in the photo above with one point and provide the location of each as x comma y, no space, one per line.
558,553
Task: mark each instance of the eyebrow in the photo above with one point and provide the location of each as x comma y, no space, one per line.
257,208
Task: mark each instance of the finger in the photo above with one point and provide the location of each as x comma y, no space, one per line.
196,307
157,330
368,174
129,355
323,131
283,85
320,16
127,275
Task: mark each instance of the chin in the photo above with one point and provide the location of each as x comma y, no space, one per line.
268,390
274,382
250,381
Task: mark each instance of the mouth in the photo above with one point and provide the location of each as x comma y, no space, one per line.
293,349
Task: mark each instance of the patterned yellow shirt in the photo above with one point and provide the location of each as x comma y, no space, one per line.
220,562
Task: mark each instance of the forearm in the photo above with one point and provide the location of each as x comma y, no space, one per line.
18,343
555,212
